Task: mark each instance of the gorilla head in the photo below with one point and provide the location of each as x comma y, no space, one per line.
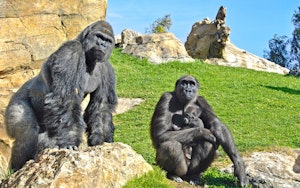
97,41
186,89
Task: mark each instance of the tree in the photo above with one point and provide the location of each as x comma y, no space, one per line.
278,50
279,44
295,41
161,25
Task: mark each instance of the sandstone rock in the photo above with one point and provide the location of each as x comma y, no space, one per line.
128,37
207,39
210,41
118,40
236,57
109,165
272,169
31,30
158,48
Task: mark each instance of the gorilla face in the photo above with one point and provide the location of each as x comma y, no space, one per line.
98,42
187,89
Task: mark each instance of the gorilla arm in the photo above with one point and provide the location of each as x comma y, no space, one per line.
224,138
98,114
62,111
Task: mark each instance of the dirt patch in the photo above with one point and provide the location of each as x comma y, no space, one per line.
124,104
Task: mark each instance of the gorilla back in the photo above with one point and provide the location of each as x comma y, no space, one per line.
46,111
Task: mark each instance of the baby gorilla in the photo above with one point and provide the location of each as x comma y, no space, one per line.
191,114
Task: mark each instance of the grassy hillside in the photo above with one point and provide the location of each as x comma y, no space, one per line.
262,110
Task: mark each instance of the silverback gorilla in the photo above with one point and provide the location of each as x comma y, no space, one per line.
170,144
46,113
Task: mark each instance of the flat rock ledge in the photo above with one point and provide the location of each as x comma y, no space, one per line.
108,165
272,169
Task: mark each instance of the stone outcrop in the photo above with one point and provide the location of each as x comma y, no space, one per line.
128,37
207,39
273,169
236,57
158,48
210,41
109,165
31,30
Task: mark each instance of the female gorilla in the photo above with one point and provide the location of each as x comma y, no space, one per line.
170,144
46,113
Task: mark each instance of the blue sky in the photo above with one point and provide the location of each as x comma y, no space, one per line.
253,23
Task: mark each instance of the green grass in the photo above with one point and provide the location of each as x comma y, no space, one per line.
261,109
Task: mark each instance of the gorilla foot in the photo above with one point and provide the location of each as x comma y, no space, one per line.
194,182
75,148
95,139
174,178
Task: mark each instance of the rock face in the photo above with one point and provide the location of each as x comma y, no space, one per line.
109,165
236,57
210,41
207,39
273,169
128,37
157,48
31,30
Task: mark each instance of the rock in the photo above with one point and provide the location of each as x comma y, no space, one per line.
118,40
236,57
272,169
158,48
31,30
210,41
207,39
108,165
128,37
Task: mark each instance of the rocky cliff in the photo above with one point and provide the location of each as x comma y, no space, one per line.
31,30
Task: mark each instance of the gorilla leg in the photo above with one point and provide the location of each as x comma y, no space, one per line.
98,118
203,155
108,126
225,139
171,158
65,125
22,125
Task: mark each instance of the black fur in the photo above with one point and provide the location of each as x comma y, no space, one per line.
170,144
46,111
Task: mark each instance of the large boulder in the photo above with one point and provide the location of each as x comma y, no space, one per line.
31,30
128,37
236,57
158,48
273,169
209,40
109,165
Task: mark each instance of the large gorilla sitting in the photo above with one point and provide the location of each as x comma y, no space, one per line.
170,144
46,113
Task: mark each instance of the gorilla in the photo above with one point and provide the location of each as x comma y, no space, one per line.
170,145
46,111
191,114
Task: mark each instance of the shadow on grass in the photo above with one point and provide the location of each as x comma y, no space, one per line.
284,89
220,182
